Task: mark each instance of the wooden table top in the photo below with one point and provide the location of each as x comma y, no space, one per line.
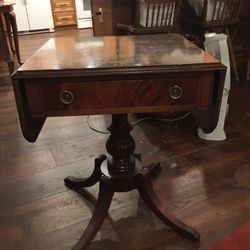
6,3
6,6
115,54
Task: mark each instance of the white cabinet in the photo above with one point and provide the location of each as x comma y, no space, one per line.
33,15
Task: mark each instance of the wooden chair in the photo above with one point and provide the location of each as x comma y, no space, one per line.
220,16
246,22
154,16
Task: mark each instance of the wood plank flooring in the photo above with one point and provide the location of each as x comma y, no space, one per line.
206,184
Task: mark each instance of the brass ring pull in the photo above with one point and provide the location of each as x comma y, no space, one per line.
175,92
67,97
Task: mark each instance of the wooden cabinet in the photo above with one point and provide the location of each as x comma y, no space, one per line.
64,12
106,14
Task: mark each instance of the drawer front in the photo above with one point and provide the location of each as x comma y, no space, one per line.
78,98
67,18
63,6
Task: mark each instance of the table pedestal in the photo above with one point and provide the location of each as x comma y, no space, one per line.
122,173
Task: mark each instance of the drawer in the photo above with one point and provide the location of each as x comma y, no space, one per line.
151,95
63,5
66,18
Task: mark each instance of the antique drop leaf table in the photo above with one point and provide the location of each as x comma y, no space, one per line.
117,75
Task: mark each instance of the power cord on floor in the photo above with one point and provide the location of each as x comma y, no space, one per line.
173,119
94,129
140,120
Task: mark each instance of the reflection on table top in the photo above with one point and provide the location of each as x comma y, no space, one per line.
115,52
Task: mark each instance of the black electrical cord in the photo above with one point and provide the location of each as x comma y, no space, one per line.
140,120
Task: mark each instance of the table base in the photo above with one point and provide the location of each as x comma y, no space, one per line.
122,175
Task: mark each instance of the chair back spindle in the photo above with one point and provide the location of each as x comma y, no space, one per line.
157,13
220,11
216,16
155,16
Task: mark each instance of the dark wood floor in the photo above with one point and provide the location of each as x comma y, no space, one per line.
206,184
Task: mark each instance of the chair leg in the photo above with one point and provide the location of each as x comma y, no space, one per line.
11,65
232,57
248,67
9,34
10,17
